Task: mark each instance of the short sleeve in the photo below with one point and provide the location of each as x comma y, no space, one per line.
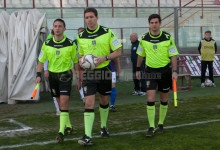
140,50
114,41
42,56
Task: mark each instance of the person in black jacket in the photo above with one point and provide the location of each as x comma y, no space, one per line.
139,85
207,49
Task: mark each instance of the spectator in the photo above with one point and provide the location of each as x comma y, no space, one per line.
207,49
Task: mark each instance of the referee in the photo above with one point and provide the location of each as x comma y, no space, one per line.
60,52
98,41
159,49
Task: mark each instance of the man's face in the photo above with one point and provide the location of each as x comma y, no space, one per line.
154,24
91,20
58,28
132,38
207,36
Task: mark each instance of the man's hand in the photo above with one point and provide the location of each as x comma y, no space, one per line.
99,60
138,75
38,80
174,75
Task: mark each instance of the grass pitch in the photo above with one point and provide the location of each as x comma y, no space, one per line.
193,125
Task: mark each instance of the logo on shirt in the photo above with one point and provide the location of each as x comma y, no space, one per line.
93,42
140,50
167,36
172,50
134,48
155,47
115,42
208,47
57,52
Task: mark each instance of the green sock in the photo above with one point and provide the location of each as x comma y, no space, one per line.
63,119
162,113
68,123
88,122
104,116
151,115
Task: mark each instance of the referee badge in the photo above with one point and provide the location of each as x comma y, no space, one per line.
93,42
57,54
155,47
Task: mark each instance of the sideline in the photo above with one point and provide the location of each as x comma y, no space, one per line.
113,134
23,127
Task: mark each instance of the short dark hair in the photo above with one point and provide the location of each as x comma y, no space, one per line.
60,20
90,9
52,32
208,31
154,16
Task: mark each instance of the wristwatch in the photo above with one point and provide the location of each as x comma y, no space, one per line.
106,57
174,70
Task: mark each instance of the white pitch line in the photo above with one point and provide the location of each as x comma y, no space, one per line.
23,127
112,134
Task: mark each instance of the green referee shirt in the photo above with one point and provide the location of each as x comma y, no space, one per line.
59,54
100,42
157,49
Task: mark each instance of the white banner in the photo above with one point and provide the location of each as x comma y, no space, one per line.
25,37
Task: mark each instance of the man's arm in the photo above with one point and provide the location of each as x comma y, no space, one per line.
118,67
39,70
215,47
139,61
174,66
111,56
138,68
46,72
114,54
77,69
199,48
78,76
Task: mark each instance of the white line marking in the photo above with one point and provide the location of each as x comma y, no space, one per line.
113,134
23,127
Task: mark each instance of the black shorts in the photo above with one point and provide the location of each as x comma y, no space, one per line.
159,78
60,83
98,80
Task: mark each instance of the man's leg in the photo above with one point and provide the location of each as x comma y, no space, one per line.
104,90
104,111
210,67
164,84
89,114
64,117
162,110
64,113
113,98
203,70
151,96
113,93
89,117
